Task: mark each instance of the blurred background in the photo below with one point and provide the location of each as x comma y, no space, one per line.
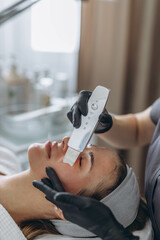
54,49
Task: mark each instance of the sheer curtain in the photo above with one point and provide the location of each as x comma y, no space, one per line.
120,50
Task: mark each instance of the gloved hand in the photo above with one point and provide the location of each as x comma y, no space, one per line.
83,211
81,108
52,182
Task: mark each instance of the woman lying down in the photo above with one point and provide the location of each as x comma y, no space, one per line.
99,173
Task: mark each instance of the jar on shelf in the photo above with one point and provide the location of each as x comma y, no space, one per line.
16,86
43,90
62,80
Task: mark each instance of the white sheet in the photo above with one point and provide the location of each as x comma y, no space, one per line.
8,228
8,162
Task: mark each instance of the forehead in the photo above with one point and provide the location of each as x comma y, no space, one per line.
102,151
105,160
105,164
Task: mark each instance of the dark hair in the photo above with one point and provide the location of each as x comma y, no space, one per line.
34,228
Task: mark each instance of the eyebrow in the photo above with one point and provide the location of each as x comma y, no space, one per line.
92,160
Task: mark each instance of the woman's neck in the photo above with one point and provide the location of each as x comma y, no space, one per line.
22,200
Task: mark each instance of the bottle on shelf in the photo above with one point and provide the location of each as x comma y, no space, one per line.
16,85
43,89
61,79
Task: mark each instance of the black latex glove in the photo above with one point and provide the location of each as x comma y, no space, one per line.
81,108
83,211
53,180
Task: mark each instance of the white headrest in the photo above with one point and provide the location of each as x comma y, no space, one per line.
124,200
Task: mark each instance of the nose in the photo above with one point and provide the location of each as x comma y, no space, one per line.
65,141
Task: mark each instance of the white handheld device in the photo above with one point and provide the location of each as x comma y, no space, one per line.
81,136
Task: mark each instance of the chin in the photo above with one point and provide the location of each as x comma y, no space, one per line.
36,149
35,157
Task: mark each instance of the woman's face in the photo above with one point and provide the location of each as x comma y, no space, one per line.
93,165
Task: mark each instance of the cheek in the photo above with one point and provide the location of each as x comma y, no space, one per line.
71,180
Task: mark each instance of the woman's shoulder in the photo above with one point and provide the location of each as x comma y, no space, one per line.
8,162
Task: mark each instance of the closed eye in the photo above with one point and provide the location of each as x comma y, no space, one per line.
80,161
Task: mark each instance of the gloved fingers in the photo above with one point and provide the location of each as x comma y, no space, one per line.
56,183
44,188
72,200
65,207
104,122
82,102
105,117
80,107
69,115
47,182
50,200
76,117
102,117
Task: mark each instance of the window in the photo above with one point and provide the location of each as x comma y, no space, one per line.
55,26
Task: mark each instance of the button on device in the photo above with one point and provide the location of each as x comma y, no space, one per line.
94,106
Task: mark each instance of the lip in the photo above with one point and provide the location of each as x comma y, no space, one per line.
48,148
